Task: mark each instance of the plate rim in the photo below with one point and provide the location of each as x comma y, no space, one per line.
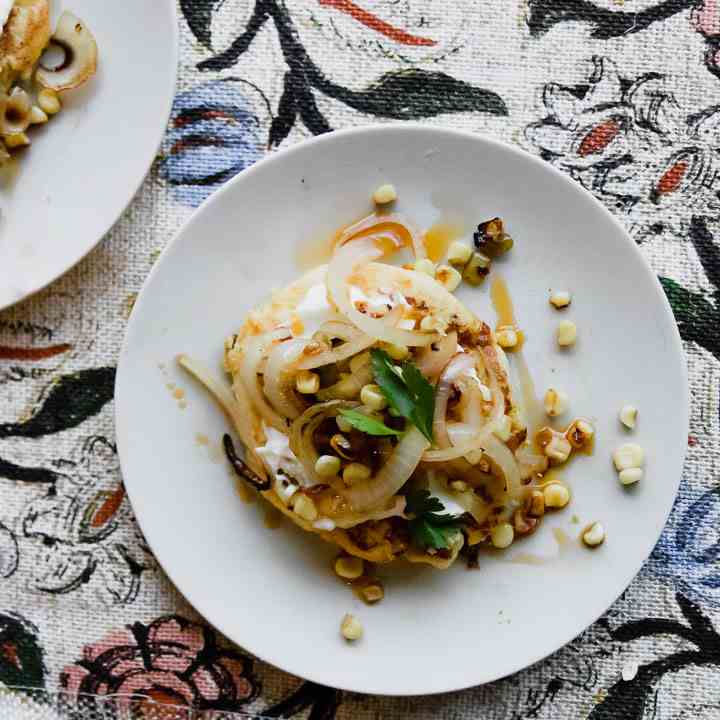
303,146
67,266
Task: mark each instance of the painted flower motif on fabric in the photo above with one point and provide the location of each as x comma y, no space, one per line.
81,529
688,552
214,134
628,141
171,661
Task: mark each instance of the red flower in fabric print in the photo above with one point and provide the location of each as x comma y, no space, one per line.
171,661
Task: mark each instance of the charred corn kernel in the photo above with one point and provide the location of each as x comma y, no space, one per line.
355,472
556,495
349,567
629,455
37,115
555,402
396,352
307,382
459,254
384,194
305,508
630,476
16,140
448,277
359,361
327,466
430,323
477,269
628,416
49,101
425,266
537,504
458,486
566,333
560,299
343,424
503,431
554,445
372,593
594,535
502,535
580,434
341,445
506,336
372,396
350,628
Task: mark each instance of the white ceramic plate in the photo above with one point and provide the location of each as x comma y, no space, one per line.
84,167
272,591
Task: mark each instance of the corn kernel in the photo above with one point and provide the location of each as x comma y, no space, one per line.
554,445
305,508
628,416
459,254
566,333
37,115
425,266
555,402
503,431
580,434
372,396
327,466
49,101
343,424
556,495
350,628
355,472
458,486
506,336
396,352
477,269
629,455
630,476
448,277
307,382
372,593
594,535
430,323
349,567
537,504
502,535
560,299
16,140
384,194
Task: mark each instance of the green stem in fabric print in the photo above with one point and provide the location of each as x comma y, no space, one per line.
405,95
21,657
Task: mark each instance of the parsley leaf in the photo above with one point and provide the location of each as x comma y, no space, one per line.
429,528
366,424
406,390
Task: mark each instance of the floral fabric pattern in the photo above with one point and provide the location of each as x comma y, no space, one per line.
622,95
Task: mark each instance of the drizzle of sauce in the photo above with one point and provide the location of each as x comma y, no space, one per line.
439,237
504,309
273,518
178,393
316,251
201,439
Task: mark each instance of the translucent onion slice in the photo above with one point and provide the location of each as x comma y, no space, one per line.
392,475
355,342
349,387
432,360
237,408
348,520
501,455
395,226
254,349
473,504
279,378
460,364
345,262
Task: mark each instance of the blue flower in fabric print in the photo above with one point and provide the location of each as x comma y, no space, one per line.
688,552
214,134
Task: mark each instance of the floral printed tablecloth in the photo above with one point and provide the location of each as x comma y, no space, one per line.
623,95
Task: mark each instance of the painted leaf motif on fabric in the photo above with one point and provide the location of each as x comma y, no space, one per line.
22,661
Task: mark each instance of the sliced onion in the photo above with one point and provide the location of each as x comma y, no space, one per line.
279,378
345,262
236,408
432,359
388,225
472,503
503,458
392,475
254,349
348,520
349,387
461,363
530,461
355,342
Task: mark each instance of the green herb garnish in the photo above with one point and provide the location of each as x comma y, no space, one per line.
365,423
406,390
429,526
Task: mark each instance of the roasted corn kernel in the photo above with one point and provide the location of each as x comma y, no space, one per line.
307,382
506,336
502,535
630,476
556,495
629,455
566,333
305,508
477,269
448,277
349,567
594,535
350,628
554,445
628,416
37,116
425,266
49,101
459,254
580,434
555,402
560,299
384,194
372,397
355,472
327,466
372,593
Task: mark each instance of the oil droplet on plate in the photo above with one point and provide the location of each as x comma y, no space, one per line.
439,237
272,518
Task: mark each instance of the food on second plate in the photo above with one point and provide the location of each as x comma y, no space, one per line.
377,412
31,79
